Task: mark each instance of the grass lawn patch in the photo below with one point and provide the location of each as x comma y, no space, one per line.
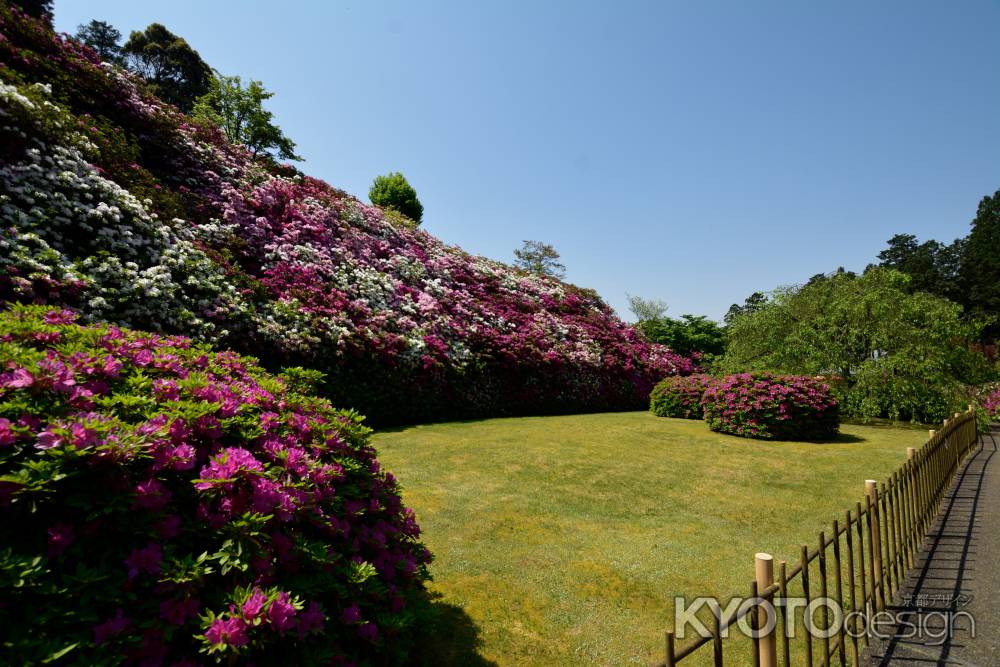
564,539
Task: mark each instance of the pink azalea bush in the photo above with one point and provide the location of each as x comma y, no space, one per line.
164,504
679,396
116,205
990,401
768,406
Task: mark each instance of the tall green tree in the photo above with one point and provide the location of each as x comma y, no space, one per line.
395,192
981,260
174,70
103,38
239,111
541,258
901,354
932,266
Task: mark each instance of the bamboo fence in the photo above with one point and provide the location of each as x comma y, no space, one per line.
860,563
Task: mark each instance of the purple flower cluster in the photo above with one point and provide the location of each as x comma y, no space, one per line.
192,501
764,405
679,396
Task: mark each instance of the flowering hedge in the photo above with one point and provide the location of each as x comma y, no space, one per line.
115,204
763,405
159,501
679,396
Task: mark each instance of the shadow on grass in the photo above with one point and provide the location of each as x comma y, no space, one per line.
451,638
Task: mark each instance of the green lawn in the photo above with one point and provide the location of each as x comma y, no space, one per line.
562,540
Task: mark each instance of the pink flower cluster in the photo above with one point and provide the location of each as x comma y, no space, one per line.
765,405
192,481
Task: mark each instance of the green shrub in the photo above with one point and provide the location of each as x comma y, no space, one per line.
679,396
395,192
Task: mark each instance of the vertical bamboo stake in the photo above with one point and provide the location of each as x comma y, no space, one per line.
866,607
764,571
783,589
805,594
885,524
850,586
823,596
900,560
838,582
752,618
871,493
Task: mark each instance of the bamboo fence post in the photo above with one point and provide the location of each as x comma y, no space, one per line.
805,594
764,571
823,596
838,582
866,607
783,589
885,524
871,493
852,595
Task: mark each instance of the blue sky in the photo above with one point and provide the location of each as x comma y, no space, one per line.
688,151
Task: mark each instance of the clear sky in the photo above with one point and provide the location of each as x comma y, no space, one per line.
688,151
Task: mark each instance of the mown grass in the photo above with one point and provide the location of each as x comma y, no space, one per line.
564,539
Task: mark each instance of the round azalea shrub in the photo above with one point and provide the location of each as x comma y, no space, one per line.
764,405
679,396
161,503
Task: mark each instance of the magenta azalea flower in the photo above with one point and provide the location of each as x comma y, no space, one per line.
227,632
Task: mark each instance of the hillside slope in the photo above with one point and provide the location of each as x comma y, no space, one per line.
115,204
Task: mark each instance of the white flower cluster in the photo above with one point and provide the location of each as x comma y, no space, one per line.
66,223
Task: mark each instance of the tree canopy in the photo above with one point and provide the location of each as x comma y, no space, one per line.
174,69
538,257
980,270
239,111
395,192
103,38
888,344
688,335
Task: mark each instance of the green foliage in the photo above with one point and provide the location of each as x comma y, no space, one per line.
692,334
880,338
394,192
174,70
679,396
541,258
103,38
981,262
932,266
239,111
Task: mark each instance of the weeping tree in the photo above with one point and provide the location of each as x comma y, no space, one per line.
894,352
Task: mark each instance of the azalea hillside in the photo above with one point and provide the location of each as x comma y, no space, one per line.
124,209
